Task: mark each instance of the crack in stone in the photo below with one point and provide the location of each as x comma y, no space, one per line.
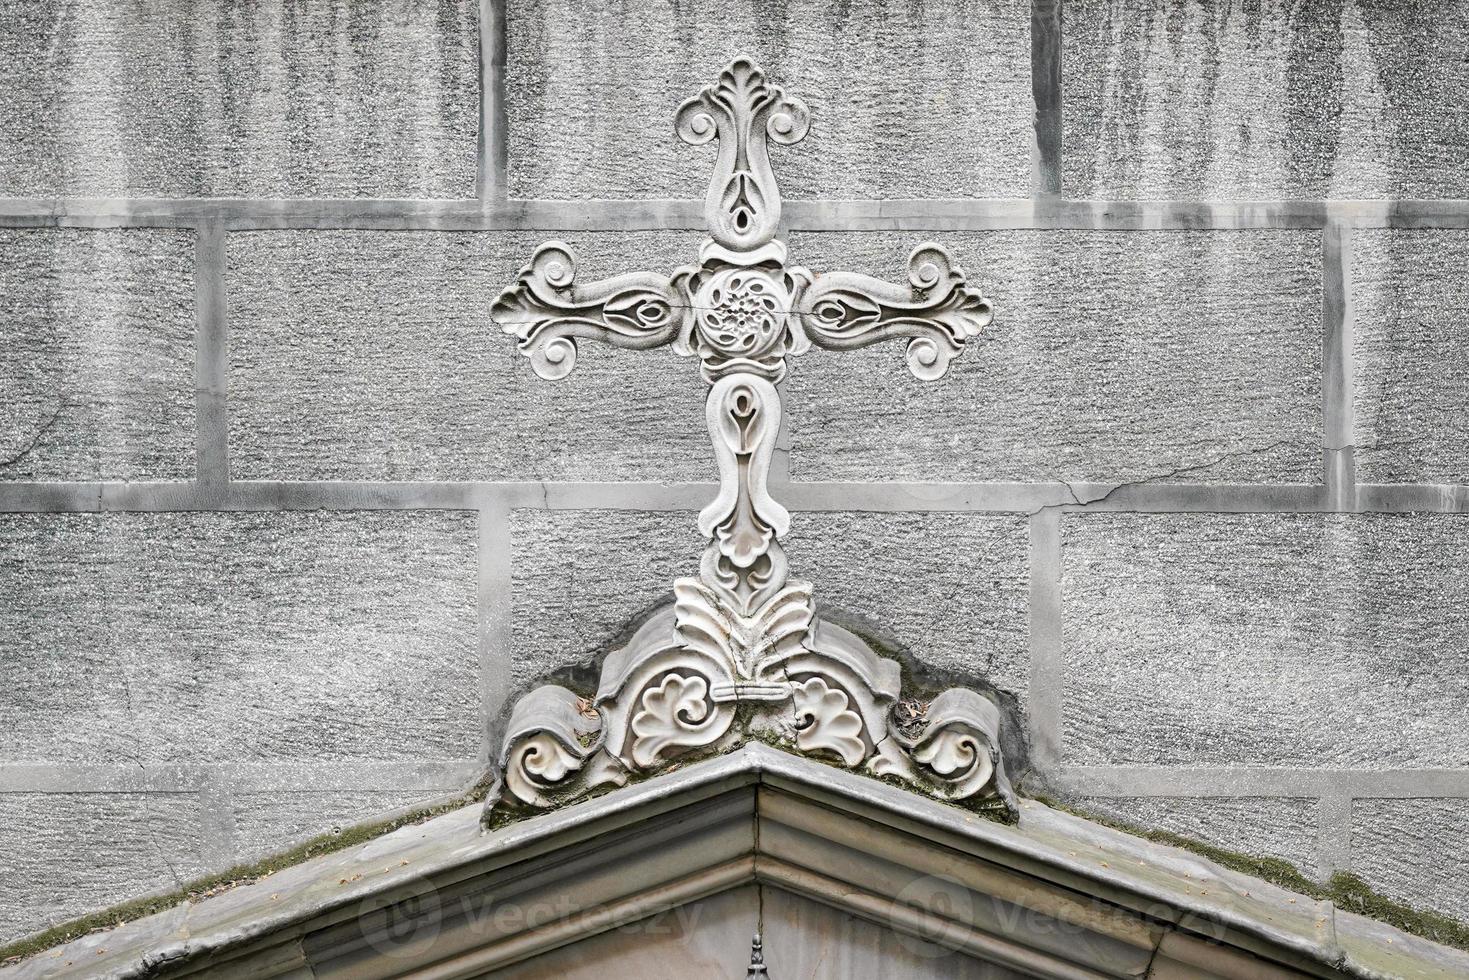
1380,444
1162,477
46,426
127,696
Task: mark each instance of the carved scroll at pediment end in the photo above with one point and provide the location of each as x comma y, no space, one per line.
551,736
950,746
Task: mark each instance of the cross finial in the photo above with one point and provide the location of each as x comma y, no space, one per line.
742,111
749,629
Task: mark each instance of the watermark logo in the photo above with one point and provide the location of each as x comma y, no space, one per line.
406,922
403,923
932,914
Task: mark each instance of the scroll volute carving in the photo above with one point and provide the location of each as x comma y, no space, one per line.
743,112
819,690
937,311
548,310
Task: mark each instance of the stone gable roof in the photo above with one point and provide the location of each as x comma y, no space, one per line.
1053,895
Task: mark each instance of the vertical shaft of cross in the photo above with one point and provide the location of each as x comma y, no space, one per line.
744,525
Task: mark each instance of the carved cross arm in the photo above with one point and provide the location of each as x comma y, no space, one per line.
937,311
547,310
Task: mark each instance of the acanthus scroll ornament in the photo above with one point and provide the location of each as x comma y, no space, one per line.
743,634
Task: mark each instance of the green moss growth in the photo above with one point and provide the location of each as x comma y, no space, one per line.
243,874
1346,891
1354,895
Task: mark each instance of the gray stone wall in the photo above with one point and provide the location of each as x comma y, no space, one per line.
285,522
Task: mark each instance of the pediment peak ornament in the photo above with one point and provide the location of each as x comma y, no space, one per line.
740,653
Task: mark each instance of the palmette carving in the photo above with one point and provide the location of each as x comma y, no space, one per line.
824,722
748,644
675,714
740,652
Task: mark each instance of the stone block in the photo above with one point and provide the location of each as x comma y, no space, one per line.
97,358
580,578
269,823
1256,826
68,854
1168,356
1415,851
1411,306
953,590
198,637
923,99
1265,640
364,355
213,99
1273,101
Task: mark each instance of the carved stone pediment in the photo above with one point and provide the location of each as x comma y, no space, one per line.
740,654
822,692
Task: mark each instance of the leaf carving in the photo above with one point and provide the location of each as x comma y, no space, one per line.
747,644
676,713
823,721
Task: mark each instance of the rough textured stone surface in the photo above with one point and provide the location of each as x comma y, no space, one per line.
371,356
951,589
1158,355
1244,640
1416,851
184,99
268,823
67,854
1277,828
1411,327
96,354
151,638
1338,98
922,99
579,577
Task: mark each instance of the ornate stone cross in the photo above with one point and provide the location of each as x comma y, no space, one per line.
742,632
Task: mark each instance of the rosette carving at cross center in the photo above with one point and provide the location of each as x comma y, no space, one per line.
742,313
743,318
